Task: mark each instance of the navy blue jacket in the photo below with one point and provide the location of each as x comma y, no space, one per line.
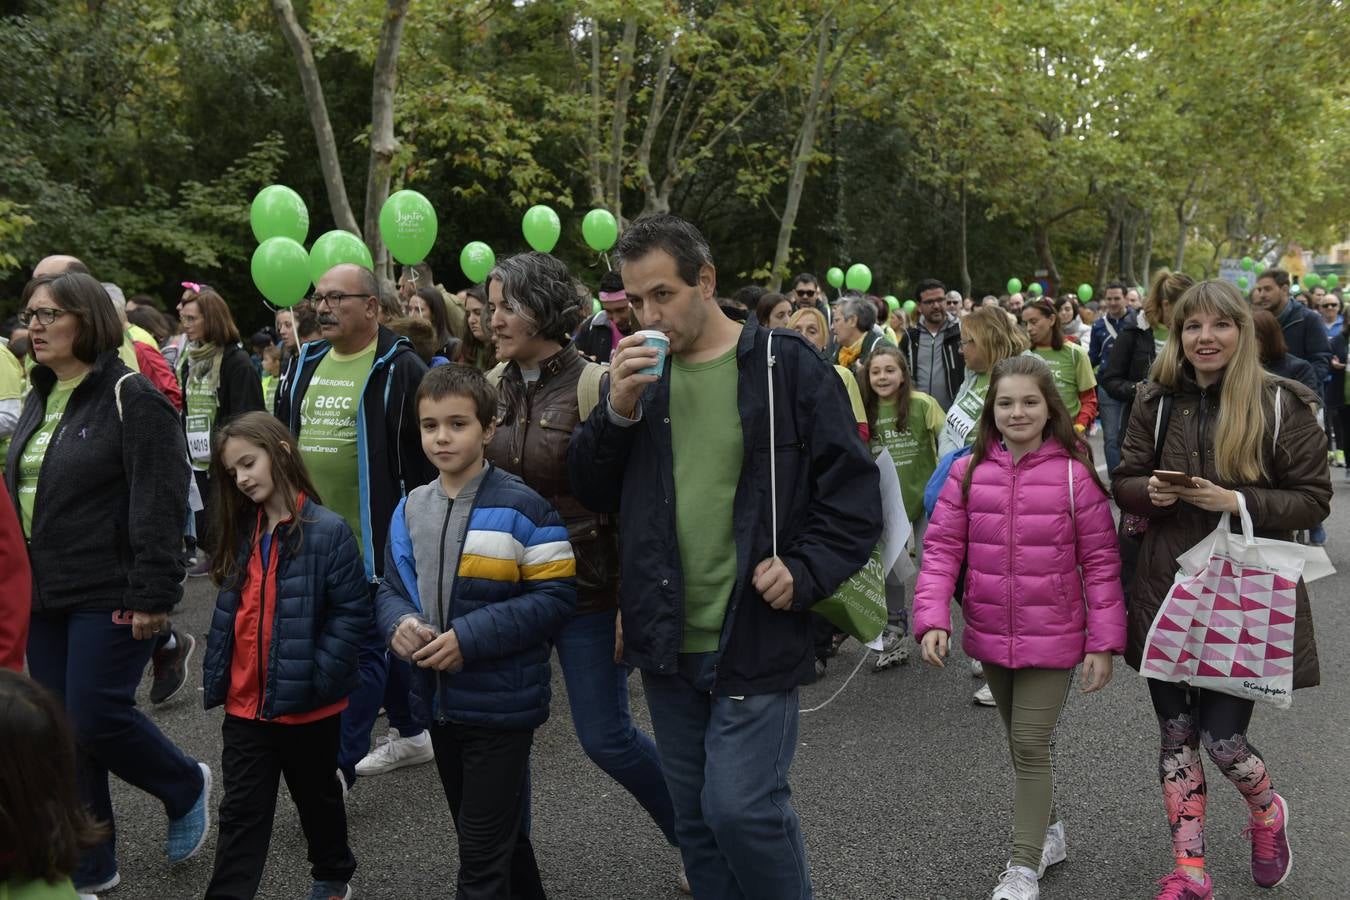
1305,334
829,513
390,461
505,606
321,612
1101,340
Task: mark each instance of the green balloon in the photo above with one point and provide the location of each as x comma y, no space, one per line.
278,211
336,248
1242,282
1014,285
1260,267
476,261
1332,282
835,277
408,226
892,302
596,308
1035,289
541,227
1312,280
1248,263
600,230
280,268
1085,293
910,306
859,277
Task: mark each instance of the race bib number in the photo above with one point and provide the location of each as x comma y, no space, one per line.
961,420
199,438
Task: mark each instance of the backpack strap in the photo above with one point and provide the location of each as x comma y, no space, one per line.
1160,429
588,388
116,393
494,375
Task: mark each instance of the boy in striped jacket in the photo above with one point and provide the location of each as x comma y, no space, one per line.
479,577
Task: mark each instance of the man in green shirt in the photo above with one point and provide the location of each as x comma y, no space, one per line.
349,401
717,579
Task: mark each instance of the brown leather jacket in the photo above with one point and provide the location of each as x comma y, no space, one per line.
534,428
1297,495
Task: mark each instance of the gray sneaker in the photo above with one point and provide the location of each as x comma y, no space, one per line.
895,648
330,890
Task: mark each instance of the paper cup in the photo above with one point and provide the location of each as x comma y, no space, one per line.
662,344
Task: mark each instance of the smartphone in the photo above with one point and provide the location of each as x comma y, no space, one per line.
1180,479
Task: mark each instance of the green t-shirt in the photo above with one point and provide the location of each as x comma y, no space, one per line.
1072,371
914,450
327,439
38,889
30,461
11,388
1160,339
201,405
705,433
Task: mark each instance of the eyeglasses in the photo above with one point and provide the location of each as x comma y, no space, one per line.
1331,306
333,298
932,302
189,320
805,295
44,314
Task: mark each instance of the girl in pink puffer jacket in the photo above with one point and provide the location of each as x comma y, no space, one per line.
1028,517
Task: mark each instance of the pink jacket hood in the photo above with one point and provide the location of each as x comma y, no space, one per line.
1025,603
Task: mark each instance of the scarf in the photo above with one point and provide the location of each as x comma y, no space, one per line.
849,355
203,365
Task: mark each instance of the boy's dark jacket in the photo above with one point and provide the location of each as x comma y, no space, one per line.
320,607
390,461
829,513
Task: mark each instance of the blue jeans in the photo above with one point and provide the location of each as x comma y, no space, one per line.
1109,410
363,706
726,762
94,665
597,692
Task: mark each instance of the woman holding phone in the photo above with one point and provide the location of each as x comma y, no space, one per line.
1220,438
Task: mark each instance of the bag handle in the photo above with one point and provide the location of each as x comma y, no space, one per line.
1248,530
773,445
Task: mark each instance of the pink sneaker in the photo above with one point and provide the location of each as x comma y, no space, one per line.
1272,860
1179,886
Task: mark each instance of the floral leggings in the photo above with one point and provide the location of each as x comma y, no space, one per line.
1189,718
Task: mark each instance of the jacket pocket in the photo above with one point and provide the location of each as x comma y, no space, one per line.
596,548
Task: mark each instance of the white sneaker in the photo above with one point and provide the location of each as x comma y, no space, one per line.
1017,883
1054,850
894,649
976,668
395,752
984,696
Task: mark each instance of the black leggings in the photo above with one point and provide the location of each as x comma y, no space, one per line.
1188,719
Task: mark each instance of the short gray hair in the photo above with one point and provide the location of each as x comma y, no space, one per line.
538,288
860,308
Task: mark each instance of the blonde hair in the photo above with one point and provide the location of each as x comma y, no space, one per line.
1167,286
996,336
1247,388
807,312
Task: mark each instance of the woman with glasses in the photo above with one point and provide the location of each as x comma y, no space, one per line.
99,470
219,382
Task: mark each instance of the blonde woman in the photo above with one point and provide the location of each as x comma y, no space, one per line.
988,337
1221,433
809,322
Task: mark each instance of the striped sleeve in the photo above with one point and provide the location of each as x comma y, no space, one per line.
503,544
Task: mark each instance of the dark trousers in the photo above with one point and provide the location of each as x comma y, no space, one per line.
256,755
485,773
94,665
363,706
202,517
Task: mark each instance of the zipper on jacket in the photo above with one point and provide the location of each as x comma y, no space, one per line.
262,613
1012,532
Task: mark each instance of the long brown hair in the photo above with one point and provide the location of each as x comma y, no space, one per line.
1047,309
217,323
1058,424
43,824
871,402
234,517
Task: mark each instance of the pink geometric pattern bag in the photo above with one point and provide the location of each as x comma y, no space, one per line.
1227,624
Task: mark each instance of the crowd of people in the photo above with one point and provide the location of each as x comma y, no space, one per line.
408,499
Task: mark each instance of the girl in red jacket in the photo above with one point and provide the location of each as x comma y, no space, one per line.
1027,514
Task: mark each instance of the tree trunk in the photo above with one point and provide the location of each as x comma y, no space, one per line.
654,200
383,144
1108,246
619,124
1146,253
965,260
317,108
801,160
1041,239
593,165
1183,221
1128,239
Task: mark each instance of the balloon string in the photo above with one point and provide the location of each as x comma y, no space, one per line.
605,257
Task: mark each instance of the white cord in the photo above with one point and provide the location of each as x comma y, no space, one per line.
866,654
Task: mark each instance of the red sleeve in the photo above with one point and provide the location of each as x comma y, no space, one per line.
1088,412
864,432
16,585
154,367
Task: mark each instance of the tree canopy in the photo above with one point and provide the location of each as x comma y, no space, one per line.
970,141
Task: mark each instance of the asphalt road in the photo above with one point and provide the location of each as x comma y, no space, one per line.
903,785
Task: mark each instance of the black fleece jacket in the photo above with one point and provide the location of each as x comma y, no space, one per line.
111,494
